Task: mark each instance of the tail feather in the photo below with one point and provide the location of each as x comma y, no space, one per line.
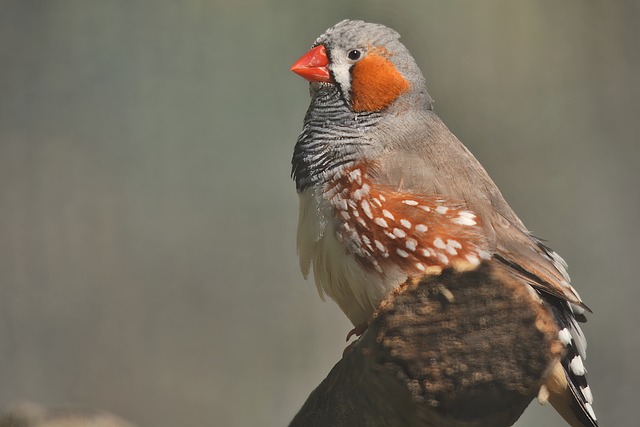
568,390
567,400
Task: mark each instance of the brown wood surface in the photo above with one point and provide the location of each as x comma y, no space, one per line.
460,349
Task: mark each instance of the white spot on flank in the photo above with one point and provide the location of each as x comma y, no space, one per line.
402,253
420,266
410,203
342,205
425,252
345,215
380,246
438,243
443,258
463,221
442,209
565,336
376,201
400,233
586,392
388,214
405,223
382,198
367,209
390,235
355,175
454,244
359,193
484,255
473,260
381,222
425,208
362,222
377,267
576,366
411,244
421,228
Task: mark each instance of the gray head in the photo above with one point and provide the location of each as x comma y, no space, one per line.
359,72
368,65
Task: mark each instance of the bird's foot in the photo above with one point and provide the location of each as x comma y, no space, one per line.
358,330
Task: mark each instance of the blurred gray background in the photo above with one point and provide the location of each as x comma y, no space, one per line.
147,217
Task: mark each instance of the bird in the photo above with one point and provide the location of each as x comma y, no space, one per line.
387,193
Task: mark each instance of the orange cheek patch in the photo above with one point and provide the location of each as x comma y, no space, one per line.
375,84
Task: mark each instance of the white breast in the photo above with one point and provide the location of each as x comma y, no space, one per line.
337,273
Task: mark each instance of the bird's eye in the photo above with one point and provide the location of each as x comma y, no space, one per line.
354,54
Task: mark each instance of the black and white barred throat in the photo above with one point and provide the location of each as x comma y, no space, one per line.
333,136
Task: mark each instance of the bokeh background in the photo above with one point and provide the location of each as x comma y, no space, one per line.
147,218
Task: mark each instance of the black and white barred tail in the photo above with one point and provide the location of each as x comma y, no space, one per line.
578,395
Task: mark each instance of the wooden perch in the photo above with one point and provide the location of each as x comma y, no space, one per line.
456,350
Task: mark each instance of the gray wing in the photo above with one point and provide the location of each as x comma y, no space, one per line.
428,158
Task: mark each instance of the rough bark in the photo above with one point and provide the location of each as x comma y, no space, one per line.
460,349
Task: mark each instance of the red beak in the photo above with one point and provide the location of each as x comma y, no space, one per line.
313,65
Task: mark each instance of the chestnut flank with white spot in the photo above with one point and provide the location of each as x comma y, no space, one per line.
384,228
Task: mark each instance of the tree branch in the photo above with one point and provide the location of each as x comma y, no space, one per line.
460,349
